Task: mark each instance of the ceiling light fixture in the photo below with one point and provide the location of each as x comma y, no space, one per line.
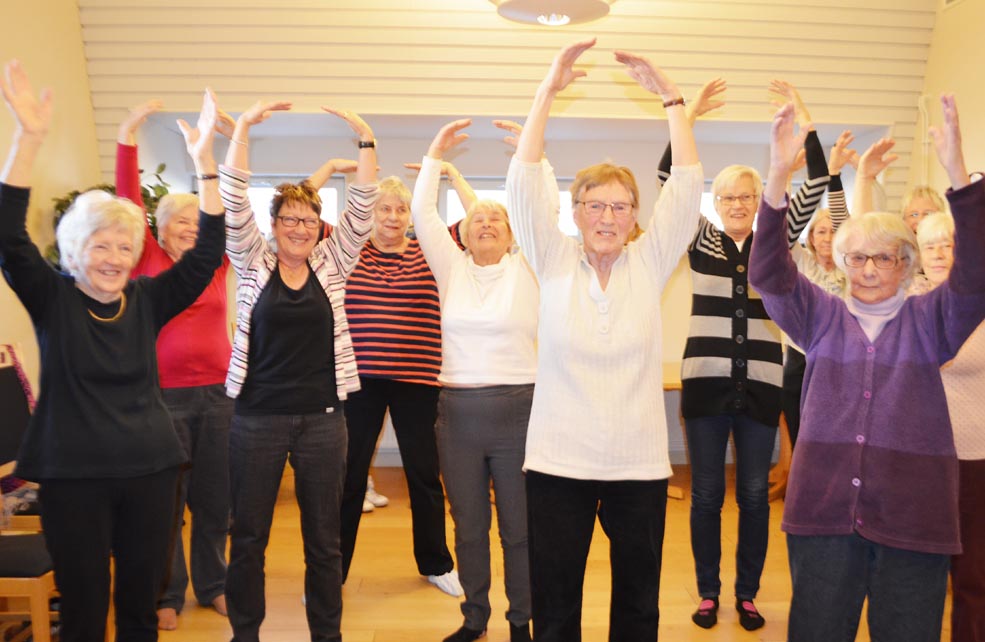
552,13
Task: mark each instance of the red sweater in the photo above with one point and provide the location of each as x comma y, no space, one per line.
193,348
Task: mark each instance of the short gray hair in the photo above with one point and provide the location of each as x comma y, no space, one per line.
171,204
91,212
935,228
731,174
878,228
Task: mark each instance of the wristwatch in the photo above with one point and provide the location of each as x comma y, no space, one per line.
367,144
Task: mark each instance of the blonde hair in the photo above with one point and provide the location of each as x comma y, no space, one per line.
171,204
486,205
878,228
935,228
603,174
922,191
91,212
731,175
819,216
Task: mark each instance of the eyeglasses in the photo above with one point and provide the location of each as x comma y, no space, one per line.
881,261
597,208
292,221
729,201
919,214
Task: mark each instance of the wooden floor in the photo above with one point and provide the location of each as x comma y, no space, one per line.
387,601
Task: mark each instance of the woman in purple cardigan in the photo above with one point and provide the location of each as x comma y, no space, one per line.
872,502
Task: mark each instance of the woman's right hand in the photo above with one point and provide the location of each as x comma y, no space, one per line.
199,139
562,73
876,158
448,137
841,155
32,112
704,102
261,111
135,119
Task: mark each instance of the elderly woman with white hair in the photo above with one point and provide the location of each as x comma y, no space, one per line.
872,502
489,298
101,442
964,380
192,358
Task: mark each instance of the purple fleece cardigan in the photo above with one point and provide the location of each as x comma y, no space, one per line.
875,453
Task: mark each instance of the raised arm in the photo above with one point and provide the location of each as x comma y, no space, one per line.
841,155
530,147
33,114
464,191
872,163
947,143
356,220
438,247
127,169
709,98
329,169
238,154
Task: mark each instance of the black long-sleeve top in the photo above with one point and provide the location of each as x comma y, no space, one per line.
100,413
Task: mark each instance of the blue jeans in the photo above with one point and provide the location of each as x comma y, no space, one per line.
561,519
707,440
832,576
201,416
315,445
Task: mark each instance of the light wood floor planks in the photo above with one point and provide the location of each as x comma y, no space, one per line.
387,601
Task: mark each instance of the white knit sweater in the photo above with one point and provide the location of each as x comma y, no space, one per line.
598,409
964,383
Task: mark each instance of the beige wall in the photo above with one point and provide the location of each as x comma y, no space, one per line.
46,36
954,65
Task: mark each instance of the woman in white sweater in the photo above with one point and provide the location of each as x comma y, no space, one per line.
597,440
489,300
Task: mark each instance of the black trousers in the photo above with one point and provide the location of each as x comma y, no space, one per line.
413,410
86,520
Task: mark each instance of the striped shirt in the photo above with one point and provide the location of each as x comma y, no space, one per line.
733,358
332,260
394,314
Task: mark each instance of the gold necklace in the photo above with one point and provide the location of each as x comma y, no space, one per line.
119,313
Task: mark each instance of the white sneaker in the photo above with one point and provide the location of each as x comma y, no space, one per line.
448,583
373,497
368,506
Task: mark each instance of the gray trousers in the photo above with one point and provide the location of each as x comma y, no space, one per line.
482,434
201,417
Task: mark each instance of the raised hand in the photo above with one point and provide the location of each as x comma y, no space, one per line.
448,137
355,121
510,126
32,112
947,142
649,76
562,73
199,139
447,169
135,119
799,162
705,101
841,155
224,124
261,111
784,143
788,94
876,158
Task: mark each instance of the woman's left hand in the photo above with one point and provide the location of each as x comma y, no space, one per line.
199,139
355,121
649,76
449,137
33,113
784,143
947,142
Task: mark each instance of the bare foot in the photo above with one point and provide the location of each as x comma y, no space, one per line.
167,619
219,604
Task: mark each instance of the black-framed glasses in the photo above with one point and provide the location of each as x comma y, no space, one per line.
881,261
292,221
597,208
729,201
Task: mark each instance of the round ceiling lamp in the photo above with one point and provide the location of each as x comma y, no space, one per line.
553,13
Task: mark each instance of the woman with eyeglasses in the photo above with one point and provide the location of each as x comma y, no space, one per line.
732,371
291,370
597,438
872,503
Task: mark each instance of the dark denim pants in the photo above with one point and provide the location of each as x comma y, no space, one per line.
413,410
201,416
561,518
315,445
833,575
707,441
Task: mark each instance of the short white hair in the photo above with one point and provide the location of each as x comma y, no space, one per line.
935,228
91,212
731,175
878,228
171,204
